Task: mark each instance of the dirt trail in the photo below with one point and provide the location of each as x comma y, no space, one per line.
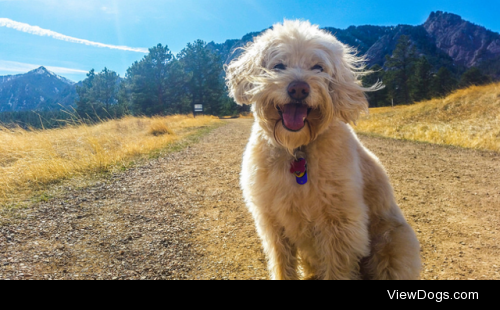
182,216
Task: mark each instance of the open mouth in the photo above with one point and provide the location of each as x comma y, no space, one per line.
294,116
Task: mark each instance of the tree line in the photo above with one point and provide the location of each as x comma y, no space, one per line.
162,83
159,84
409,78
36,119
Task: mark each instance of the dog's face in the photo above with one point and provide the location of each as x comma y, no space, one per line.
299,79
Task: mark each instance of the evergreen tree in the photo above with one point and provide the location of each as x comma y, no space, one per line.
400,69
147,81
206,85
98,96
105,88
443,83
422,80
177,89
380,97
473,76
156,84
229,108
83,103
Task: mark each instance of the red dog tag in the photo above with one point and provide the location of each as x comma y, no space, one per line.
298,167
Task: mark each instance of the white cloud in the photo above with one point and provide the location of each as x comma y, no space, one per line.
5,22
13,66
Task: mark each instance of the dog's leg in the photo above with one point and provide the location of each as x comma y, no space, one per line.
281,253
306,267
340,246
395,252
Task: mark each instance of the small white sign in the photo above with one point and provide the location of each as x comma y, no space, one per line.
198,107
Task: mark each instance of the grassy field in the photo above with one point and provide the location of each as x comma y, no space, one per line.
467,118
32,159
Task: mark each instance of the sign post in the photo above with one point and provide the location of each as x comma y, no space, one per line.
198,108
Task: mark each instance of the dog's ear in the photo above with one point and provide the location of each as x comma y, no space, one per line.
347,93
241,73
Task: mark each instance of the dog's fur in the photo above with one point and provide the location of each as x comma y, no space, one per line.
344,223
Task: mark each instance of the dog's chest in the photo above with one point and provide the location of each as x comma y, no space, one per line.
300,202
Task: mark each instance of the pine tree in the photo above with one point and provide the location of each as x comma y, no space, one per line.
422,80
473,76
146,81
106,88
177,89
206,85
443,83
98,95
400,69
378,98
156,85
83,103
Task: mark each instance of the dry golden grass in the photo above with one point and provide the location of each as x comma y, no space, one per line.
35,158
159,127
468,118
246,115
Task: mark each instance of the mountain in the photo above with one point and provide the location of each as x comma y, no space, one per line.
361,37
466,43
421,40
231,49
445,39
38,89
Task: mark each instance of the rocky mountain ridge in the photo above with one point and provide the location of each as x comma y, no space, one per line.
445,39
466,43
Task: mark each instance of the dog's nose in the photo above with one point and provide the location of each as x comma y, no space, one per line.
299,90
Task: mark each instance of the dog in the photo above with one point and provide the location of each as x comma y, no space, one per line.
322,203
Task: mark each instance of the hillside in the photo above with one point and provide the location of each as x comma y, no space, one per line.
38,89
33,159
468,118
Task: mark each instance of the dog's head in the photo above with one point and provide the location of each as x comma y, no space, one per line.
299,79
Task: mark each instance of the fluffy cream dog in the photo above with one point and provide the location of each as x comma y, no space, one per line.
343,222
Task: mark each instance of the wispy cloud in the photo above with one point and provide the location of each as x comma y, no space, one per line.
5,22
13,66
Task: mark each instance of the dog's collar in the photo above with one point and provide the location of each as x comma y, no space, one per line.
298,167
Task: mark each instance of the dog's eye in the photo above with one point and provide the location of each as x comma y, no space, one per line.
317,67
280,67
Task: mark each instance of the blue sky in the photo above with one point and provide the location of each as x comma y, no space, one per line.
142,24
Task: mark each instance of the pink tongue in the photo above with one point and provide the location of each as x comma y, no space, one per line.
294,115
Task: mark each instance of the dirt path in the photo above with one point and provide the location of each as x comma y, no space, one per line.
182,217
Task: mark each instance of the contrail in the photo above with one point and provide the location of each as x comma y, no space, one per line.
13,66
5,22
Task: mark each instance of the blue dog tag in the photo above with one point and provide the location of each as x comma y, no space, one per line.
299,169
302,180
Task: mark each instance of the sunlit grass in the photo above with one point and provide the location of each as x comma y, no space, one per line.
31,159
468,118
